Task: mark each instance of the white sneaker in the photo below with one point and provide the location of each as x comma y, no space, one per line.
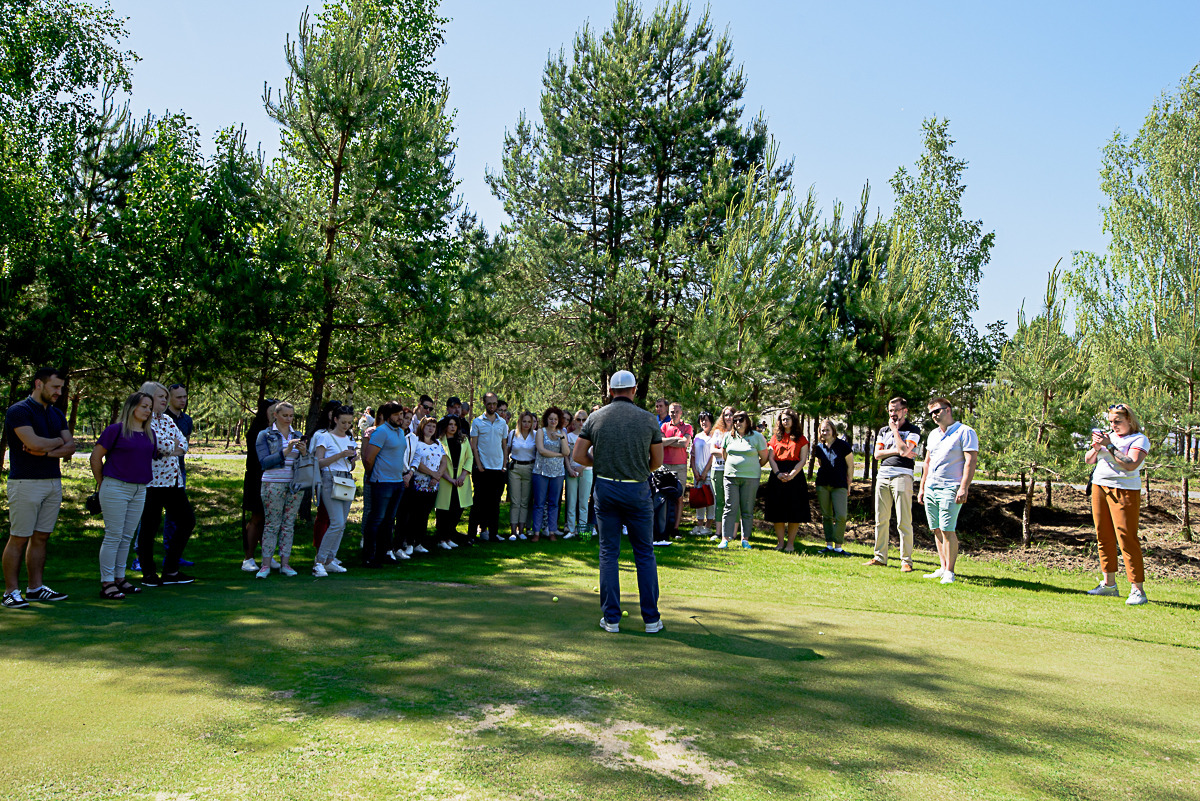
522,537
1106,589
334,561
935,574
453,544
334,567
655,627
512,537
250,566
420,549
319,571
723,544
266,571
611,628
275,564
714,538
947,577
1136,597
570,535
408,550
401,555
444,546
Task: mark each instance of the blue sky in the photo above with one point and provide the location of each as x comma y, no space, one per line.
1033,92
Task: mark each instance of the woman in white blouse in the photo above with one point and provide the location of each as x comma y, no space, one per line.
522,450
335,452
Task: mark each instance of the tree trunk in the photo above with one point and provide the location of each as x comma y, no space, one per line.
1022,481
1049,492
12,398
1027,512
1186,512
321,365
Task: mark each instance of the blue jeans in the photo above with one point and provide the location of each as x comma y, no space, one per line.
547,493
622,504
377,531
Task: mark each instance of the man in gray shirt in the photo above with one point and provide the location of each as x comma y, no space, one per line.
624,444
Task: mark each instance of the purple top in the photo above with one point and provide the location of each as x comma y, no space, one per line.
128,458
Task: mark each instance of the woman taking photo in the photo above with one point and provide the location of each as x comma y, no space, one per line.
787,488
745,453
579,483
429,461
522,450
549,470
454,489
121,463
278,447
702,462
334,450
835,474
1116,499
252,487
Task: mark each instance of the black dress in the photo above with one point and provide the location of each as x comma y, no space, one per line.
787,501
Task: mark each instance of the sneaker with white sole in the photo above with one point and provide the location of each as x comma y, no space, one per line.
714,538
266,571
250,566
947,577
662,543
512,537
453,544
319,571
655,627
522,537
335,567
401,555
570,535
1136,597
13,600
445,546
746,544
611,628
723,544
1105,589
44,593
288,571
420,549
936,574
408,550
275,563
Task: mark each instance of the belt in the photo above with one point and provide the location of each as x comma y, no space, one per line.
342,473
518,461
623,480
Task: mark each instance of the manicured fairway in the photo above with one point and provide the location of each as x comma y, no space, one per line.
457,677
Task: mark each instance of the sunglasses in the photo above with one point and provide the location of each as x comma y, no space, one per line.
938,410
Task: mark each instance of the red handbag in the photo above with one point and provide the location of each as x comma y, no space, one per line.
701,497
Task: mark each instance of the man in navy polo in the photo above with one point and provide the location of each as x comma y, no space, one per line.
624,444
37,436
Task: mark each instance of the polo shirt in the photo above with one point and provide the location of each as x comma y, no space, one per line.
948,454
392,460
489,438
675,454
48,422
621,435
894,466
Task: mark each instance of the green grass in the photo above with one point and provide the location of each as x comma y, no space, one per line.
456,677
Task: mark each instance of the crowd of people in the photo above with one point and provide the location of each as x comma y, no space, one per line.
565,474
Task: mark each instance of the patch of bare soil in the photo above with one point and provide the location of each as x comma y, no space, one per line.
1063,535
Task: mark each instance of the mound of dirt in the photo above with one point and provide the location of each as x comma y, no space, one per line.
1063,535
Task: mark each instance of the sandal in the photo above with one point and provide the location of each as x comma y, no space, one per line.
128,587
108,590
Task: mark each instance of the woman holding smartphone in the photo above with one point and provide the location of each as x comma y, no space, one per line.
335,452
277,448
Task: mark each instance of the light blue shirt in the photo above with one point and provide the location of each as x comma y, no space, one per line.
948,454
489,438
392,459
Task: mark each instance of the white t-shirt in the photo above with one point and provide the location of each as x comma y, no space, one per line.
521,449
1107,474
948,454
701,448
333,444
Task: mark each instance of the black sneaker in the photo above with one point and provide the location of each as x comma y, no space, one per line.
13,600
151,580
44,593
178,577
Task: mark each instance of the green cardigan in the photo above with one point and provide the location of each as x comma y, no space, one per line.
466,462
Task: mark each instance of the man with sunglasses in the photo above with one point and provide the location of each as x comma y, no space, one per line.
952,453
424,409
895,448
488,434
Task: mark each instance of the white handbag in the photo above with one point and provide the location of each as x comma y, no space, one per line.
343,488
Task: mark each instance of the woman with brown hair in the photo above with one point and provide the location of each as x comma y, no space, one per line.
787,488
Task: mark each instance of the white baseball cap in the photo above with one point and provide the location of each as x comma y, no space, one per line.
622,379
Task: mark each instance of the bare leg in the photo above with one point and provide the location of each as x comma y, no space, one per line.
951,549
35,558
793,529
14,552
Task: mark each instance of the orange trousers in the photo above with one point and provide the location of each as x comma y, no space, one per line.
1115,512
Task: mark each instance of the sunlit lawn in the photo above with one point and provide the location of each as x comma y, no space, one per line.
456,676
